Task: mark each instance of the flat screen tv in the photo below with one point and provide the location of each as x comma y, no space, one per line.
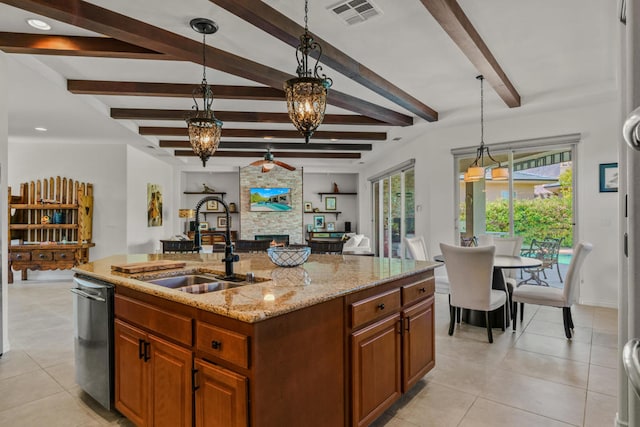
270,199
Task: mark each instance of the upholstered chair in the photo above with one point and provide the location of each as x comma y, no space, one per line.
554,297
417,248
509,246
470,272
485,240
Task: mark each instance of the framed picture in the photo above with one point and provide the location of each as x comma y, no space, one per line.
318,222
154,205
222,222
308,207
330,203
204,225
212,205
608,177
331,226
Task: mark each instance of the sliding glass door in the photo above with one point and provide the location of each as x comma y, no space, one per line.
393,211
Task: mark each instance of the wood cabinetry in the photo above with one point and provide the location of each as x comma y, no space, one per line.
213,237
50,225
221,397
391,345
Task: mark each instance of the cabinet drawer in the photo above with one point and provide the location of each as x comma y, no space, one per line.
19,256
160,322
63,255
223,343
374,307
419,290
42,256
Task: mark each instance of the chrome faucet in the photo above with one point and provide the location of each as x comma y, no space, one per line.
229,256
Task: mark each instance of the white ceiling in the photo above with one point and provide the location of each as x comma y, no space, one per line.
553,52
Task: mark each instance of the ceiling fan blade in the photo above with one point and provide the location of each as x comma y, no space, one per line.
258,163
284,165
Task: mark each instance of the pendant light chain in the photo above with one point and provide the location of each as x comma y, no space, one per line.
204,59
306,13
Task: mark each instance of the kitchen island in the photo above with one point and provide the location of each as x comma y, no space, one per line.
333,342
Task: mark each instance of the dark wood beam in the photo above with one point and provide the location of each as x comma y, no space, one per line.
273,133
279,154
91,17
453,20
103,47
230,145
171,90
237,116
278,25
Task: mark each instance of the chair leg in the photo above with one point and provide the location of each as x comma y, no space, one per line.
570,318
522,312
504,318
488,320
559,275
458,314
452,318
514,315
566,316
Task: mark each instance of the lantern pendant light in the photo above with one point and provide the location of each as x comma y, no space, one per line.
307,93
204,129
475,172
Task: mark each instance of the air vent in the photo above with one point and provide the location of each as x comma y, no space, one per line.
355,11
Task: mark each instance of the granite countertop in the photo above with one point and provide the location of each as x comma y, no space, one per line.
282,290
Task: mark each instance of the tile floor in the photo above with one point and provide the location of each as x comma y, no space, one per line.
533,377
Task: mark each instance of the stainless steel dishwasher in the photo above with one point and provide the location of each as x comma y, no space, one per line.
93,337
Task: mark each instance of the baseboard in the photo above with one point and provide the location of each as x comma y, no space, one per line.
604,304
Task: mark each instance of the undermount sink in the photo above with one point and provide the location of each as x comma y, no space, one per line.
195,283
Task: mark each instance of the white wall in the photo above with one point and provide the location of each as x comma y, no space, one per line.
224,182
103,165
4,152
315,183
597,213
143,169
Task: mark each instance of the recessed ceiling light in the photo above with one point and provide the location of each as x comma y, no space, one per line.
39,24
41,129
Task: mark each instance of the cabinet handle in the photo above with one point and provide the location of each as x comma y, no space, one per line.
408,324
194,373
147,356
140,348
18,256
423,290
41,256
381,306
63,256
216,345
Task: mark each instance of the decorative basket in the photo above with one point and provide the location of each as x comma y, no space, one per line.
288,257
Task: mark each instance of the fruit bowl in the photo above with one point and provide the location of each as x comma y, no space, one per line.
288,257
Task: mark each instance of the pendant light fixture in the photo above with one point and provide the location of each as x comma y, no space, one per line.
307,93
204,128
475,172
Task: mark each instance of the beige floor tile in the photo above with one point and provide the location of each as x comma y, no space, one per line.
64,373
605,338
559,347
468,377
435,405
485,413
98,412
604,356
25,388
601,410
57,410
551,329
603,380
550,368
557,401
606,319
16,362
581,315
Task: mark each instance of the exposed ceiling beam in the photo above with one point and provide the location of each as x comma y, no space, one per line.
273,133
278,25
279,154
237,116
275,145
171,90
94,18
103,47
453,20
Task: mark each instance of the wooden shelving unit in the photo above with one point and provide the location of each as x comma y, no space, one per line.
322,195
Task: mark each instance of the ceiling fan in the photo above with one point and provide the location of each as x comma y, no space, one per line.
268,162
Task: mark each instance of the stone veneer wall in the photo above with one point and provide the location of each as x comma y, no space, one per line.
253,223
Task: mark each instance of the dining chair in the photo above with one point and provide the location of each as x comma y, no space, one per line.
470,272
510,246
417,248
485,240
554,297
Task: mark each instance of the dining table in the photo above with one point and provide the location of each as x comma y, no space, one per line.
500,263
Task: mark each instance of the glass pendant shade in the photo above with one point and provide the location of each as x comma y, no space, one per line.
306,103
500,174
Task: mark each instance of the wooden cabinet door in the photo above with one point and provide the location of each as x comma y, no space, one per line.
418,343
170,392
221,397
375,369
131,373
